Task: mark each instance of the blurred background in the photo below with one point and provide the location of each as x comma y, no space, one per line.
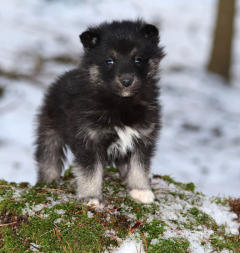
200,81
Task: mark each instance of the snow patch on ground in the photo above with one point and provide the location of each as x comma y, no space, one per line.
195,238
130,246
175,208
221,215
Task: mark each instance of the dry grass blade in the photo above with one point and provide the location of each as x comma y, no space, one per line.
115,239
145,243
8,224
60,237
136,225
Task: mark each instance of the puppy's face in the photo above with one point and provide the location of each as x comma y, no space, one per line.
122,56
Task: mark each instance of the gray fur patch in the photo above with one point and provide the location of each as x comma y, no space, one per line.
137,177
153,63
148,130
48,174
88,134
147,133
51,156
92,134
94,74
89,185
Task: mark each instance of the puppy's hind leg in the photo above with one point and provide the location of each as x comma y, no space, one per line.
49,156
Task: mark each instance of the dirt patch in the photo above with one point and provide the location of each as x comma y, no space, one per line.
235,207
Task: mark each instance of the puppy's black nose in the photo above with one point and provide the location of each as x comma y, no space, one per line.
126,81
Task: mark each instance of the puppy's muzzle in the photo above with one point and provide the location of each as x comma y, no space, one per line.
126,80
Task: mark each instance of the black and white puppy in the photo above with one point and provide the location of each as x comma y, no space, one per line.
106,111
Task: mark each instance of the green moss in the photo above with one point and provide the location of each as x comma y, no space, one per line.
10,206
153,229
3,182
11,242
176,245
60,227
230,242
153,233
48,218
23,185
196,219
68,173
112,189
83,234
4,190
221,201
111,169
33,196
189,187
170,180
141,211
201,218
179,194
56,231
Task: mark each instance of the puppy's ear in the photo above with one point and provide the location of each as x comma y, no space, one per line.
89,38
150,32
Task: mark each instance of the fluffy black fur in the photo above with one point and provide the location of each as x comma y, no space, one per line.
106,111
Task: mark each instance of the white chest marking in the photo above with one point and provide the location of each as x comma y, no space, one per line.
125,142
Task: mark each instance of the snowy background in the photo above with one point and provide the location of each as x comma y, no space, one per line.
200,139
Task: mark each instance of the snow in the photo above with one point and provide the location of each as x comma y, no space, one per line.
200,136
200,139
175,208
130,246
195,239
221,215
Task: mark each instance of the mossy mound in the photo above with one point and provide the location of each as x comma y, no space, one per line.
47,218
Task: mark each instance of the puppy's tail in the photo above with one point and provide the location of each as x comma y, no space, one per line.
49,154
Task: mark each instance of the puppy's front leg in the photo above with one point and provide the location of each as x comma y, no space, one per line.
89,182
138,181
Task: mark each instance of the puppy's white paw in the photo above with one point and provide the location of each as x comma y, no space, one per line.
143,196
96,203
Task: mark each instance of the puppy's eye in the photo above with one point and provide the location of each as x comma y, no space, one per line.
110,61
138,60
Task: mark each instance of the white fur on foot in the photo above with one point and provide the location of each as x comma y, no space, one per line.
143,196
96,203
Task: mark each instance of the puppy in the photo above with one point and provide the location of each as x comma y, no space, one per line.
106,111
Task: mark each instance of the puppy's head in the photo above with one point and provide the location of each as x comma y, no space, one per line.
122,57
